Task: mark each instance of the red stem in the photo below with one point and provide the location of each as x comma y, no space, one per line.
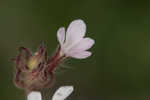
54,61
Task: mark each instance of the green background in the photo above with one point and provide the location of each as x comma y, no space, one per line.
119,68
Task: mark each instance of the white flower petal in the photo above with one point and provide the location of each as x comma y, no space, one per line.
61,35
75,32
62,93
80,55
84,44
34,96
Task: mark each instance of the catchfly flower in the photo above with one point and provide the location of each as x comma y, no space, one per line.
35,71
61,94
73,43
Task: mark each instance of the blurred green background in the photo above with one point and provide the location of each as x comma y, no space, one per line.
119,68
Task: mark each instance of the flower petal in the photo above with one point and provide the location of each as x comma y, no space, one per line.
75,32
62,93
80,55
61,35
83,45
34,96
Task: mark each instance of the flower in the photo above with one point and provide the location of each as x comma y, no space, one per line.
61,94
72,42
35,71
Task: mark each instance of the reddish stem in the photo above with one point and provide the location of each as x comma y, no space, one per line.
54,61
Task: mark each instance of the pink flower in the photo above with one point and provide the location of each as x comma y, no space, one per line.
61,94
73,43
